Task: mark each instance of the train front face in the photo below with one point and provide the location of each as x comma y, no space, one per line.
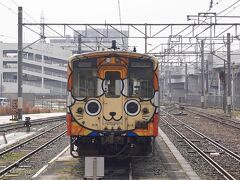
112,104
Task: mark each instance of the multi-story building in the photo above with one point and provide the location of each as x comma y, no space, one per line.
45,64
93,40
44,70
177,85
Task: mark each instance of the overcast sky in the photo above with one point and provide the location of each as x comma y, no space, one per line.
101,11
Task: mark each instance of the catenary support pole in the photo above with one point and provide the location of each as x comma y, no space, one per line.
229,103
1,86
79,44
146,38
202,74
207,82
224,88
19,77
170,85
186,82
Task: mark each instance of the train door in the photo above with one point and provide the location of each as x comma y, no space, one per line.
113,100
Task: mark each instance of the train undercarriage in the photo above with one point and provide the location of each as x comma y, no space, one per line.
111,146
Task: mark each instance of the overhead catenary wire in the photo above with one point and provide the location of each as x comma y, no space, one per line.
11,10
27,14
8,8
234,8
229,7
217,3
17,5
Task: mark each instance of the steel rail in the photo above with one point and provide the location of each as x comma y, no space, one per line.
19,124
37,136
220,169
215,118
216,144
18,162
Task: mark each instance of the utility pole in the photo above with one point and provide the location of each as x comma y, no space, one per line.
202,74
233,85
145,38
224,82
1,86
186,83
224,88
170,85
20,99
79,44
207,77
229,73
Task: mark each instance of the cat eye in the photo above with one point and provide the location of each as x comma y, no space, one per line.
132,107
93,107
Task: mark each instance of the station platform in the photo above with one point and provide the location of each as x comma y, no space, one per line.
6,119
14,137
173,165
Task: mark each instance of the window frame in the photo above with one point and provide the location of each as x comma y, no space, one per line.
130,68
76,72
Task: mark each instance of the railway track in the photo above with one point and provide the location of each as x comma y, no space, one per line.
20,124
224,120
12,158
206,147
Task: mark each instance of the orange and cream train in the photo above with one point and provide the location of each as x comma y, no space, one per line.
112,107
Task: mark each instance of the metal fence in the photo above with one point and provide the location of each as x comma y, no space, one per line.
210,100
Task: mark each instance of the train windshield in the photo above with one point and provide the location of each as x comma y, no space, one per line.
85,78
112,84
140,77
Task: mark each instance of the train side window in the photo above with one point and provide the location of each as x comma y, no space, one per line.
112,84
85,83
140,82
85,78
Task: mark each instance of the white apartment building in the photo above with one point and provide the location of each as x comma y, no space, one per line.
45,64
44,69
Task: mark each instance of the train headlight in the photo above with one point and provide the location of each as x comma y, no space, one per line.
145,110
132,107
93,107
80,110
108,60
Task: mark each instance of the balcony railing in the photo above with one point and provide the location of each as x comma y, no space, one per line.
55,74
32,69
10,80
10,66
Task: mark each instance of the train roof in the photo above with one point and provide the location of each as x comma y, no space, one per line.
112,53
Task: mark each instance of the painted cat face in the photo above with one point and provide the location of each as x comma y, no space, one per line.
114,113
126,96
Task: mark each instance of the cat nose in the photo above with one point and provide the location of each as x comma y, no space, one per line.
112,113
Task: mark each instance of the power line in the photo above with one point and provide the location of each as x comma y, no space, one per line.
234,8
211,6
8,8
24,11
27,14
228,7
